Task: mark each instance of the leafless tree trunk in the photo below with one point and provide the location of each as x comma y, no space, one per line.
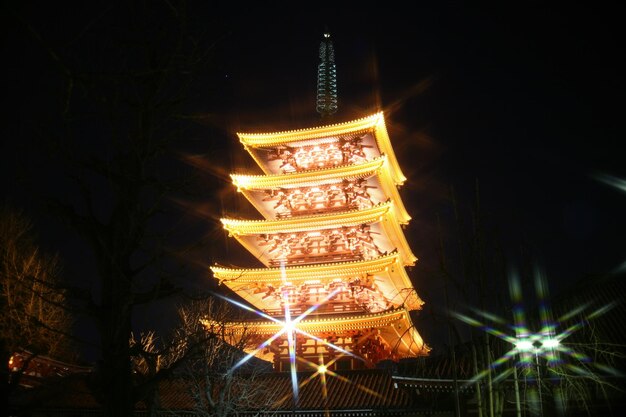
200,358
127,75
474,277
589,371
210,377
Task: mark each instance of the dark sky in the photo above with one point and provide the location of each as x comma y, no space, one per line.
526,101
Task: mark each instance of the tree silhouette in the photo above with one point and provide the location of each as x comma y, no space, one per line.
126,75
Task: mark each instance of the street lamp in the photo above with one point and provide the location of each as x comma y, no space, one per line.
539,345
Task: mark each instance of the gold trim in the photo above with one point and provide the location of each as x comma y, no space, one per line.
383,213
319,176
307,223
374,123
330,323
367,123
378,166
395,327
307,272
386,272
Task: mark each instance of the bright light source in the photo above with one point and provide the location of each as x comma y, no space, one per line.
524,345
550,343
321,369
289,326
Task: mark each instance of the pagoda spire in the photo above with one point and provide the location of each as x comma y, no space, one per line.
326,78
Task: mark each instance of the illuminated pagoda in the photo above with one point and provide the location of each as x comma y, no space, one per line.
332,286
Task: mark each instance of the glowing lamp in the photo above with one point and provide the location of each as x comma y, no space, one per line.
524,345
550,343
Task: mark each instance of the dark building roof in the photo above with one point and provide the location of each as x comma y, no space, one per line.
349,390
33,368
367,389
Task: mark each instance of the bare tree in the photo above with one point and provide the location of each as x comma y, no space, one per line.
472,270
587,373
201,358
211,376
126,76
34,317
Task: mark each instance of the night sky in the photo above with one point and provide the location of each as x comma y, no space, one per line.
526,101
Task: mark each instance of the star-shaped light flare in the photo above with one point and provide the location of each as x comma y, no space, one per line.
288,327
322,370
528,345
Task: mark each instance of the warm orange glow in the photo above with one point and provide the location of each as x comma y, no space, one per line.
332,244
322,190
272,240
394,327
373,125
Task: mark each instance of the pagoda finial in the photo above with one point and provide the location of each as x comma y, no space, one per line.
326,78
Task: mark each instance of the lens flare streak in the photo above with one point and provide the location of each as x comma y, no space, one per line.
528,346
288,328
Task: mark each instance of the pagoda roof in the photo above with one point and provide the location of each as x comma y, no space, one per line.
387,274
376,173
394,326
382,219
372,126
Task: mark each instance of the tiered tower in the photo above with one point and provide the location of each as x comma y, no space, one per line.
331,244
333,287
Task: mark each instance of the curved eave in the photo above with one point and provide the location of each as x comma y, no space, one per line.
374,123
246,184
395,327
387,272
307,223
339,129
307,272
382,213
329,323
317,176
382,138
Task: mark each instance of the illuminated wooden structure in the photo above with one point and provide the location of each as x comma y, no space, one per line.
332,247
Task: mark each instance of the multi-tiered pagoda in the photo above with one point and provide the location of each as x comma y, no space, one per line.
333,282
